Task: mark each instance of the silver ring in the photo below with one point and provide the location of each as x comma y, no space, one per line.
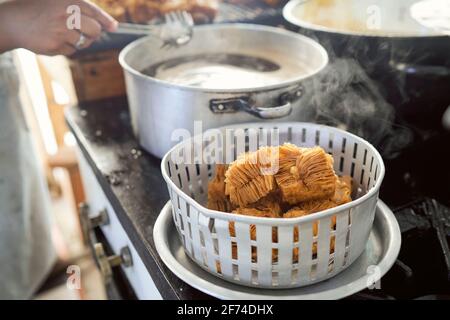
81,42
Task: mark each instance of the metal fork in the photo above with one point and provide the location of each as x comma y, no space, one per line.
176,31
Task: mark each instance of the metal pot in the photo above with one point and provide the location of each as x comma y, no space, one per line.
159,107
410,62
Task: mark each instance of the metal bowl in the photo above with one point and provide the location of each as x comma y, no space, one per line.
381,252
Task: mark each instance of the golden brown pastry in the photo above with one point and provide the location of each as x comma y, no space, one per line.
245,179
204,11
217,199
295,213
174,5
305,174
305,183
116,8
142,11
341,195
271,211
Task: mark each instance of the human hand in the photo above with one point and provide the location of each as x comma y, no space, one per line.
42,26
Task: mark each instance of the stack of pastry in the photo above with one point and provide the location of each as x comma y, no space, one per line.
300,182
142,11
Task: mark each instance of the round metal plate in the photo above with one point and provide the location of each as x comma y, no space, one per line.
381,252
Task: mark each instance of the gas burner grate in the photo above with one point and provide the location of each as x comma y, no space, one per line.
422,270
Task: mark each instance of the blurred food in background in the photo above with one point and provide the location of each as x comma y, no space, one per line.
144,11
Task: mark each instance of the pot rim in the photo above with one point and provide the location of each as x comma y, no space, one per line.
320,49
288,15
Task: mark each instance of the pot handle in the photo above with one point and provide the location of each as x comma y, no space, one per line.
270,113
233,105
243,104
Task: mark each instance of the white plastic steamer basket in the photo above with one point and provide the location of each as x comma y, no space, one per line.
205,233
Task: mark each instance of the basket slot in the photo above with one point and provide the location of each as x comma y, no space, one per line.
253,140
323,247
289,135
212,147
334,145
181,178
264,249
230,151
329,143
285,134
296,136
203,179
310,138
204,224
263,138
285,242
371,163
184,212
239,142
349,167
305,235
175,213
341,239
196,241
361,224
275,137
317,138
361,171
244,252
196,184
224,240
169,168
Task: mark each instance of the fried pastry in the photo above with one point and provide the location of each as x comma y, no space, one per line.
266,208
273,210
217,199
116,8
246,180
204,11
341,195
305,174
305,183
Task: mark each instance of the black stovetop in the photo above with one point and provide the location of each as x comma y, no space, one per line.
416,187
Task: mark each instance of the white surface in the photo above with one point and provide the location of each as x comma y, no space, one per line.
380,253
205,233
137,274
433,14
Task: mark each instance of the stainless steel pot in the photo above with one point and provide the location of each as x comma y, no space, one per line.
159,107
409,61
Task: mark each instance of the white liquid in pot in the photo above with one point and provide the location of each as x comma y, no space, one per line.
224,71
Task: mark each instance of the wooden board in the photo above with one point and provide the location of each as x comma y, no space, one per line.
97,76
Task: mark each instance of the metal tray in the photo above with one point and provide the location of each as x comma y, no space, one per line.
381,252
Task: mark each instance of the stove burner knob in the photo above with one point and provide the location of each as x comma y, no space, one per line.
106,263
88,223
